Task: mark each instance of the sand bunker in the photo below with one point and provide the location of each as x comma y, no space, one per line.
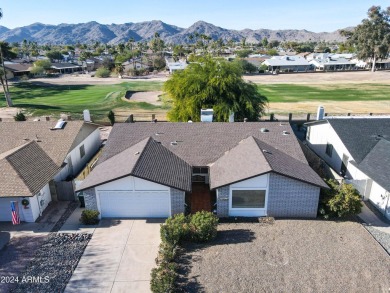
148,97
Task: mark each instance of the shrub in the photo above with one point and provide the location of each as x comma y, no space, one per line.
111,117
203,226
175,229
163,278
20,117
103,72
167,252
339,201
89,217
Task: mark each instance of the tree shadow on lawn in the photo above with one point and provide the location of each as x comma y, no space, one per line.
191,253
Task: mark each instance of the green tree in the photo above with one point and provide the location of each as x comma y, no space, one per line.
102,72
246,66
55,56
372,37
84,56
243,53
264,42
215,84
37,70
45,64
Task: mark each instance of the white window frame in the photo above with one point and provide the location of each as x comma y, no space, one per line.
248,211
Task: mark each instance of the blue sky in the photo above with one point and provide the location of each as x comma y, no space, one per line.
239,14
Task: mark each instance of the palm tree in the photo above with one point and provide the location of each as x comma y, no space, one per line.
3,73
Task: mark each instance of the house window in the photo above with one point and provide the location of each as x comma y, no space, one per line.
329,149
248,199
200,170
82,151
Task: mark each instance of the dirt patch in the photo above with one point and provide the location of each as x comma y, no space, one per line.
332,107
287,256
8,113
147,97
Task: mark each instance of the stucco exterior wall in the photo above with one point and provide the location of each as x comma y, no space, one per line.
91,146
322,134
291,198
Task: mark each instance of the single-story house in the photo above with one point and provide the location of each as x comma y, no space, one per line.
17,69
359,149
381,64
328,62
36,159
288,64
239,169
65,67
174,66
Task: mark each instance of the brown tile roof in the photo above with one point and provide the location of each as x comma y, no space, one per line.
200,144
56,143
252,157
25,170
146,159
18,67
217,145
244,161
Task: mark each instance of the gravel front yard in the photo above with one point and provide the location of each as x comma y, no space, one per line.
53,264
287,256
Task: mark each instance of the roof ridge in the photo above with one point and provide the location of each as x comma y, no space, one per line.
10,152
142,153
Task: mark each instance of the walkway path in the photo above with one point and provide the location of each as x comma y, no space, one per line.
371,219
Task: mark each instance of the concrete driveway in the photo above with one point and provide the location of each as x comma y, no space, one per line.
119,257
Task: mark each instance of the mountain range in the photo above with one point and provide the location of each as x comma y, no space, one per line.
144,31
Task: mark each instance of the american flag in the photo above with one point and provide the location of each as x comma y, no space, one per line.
15,213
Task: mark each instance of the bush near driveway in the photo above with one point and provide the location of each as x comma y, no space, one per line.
89,217
203,226
200,227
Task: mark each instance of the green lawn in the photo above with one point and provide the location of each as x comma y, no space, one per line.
277,93
45,99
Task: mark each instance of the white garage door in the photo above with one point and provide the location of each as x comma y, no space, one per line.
127,204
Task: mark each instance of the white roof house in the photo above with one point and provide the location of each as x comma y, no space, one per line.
288,64
174,66
331,62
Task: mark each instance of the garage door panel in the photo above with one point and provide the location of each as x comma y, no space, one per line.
128,204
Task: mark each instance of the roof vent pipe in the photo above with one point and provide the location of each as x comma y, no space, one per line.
264,130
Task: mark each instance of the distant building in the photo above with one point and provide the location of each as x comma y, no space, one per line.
331,62
282,64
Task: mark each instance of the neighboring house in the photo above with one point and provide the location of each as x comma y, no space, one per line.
381,64
328,62
358,148
174,66
17,69
136,64
288,64
65,67
35,156
245,169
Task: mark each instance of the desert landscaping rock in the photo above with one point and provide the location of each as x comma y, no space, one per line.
287,256
382,237
53,264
